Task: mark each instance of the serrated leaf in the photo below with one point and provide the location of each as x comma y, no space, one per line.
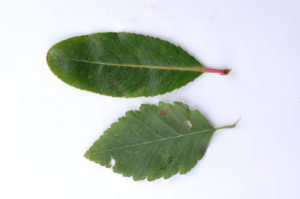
123,64
155,141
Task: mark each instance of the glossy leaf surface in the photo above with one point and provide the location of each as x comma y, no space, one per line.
122,64
155,141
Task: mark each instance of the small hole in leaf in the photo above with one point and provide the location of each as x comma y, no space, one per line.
112,162
189,123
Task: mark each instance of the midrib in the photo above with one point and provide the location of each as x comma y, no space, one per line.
137,66
167,138
157,140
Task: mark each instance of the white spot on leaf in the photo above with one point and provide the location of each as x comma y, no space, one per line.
189,123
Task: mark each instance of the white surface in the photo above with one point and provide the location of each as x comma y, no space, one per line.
46,125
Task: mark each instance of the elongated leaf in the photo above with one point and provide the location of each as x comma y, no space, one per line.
123,64
156,141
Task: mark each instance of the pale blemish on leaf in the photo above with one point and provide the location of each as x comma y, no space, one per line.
189,124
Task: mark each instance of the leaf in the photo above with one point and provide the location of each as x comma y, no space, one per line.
156,141
123,64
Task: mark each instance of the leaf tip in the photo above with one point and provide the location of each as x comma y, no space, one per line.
86,155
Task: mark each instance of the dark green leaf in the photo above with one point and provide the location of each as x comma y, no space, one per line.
156,141
123,64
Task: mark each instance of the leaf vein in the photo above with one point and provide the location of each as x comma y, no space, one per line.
157,140
137,66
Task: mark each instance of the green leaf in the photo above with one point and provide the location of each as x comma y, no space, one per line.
155,141
123,64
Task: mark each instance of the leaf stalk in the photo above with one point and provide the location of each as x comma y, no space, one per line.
228,126
212,70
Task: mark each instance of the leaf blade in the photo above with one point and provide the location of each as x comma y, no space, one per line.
147,144
106,63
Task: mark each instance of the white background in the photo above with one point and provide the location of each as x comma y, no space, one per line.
47,125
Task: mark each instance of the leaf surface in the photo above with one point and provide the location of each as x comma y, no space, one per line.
122,64
155,141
